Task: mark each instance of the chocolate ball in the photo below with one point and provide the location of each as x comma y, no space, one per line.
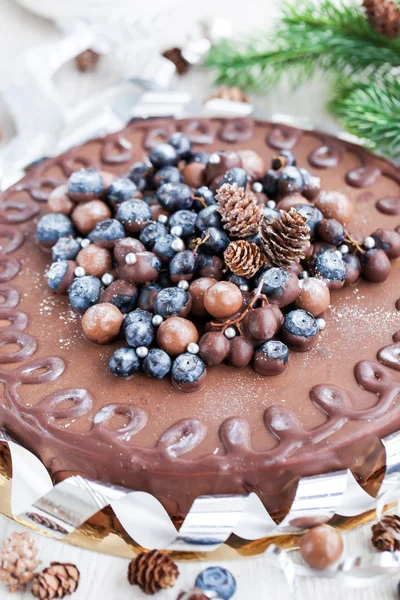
220,162
241,352
321,546
253,164
86,216
330,231
101,323
214,347
375,266
122,294
194,174
314,297
353,269
126,246
61,274
388,241
271,359
260,324
291,201
210,266
335,205
145,269
197,289
278,315
223,299
174,335
59,201
95,260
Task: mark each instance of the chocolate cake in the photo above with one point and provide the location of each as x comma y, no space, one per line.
239,431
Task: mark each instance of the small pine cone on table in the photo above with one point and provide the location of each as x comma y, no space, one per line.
240,211
152,571
383,16
18,561
382,538
56,581
243,258
283,240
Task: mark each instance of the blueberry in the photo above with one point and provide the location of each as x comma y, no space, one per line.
163,155
185,219
171,301
56,274
175,196
138,328
331,231
163,247
290,181
238,280
329,264
133,213
157,363
200,157
137,316
217,579
235,175
65,248
151,232
301,323
311,184
164,280
124,362
181,143
284,158
209,217
274,281
138,174
121,190
183,263
217,241
207,196
167,174
271,214
187,368
147,296
270,183
312,214
53,226
107,232
85,183
274,350
124,302
254,239
84,292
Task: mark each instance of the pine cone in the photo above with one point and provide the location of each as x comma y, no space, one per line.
234,94
239,210
18,560
384,16
243,258
87,60
284,240
57,581
152,571
382,538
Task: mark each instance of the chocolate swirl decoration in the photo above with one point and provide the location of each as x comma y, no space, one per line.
117,150
182,437
237,130
199,131
326,156
283,137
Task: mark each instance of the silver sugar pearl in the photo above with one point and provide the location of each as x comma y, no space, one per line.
183,284
80,272
142,351
107,278
271,204
230,333
177,230
130,258
369,243
214,159
321,324
338,254
78,239
343,249
193,348
244,287
304,275
257,187
162,219
157,320
85,243
178,245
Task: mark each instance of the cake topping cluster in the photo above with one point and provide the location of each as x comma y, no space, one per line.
195,258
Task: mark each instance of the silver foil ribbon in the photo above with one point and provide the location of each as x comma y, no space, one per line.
62,508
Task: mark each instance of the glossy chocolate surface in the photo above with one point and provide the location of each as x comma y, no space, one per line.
243,432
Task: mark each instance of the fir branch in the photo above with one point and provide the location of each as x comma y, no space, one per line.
371,111
329,36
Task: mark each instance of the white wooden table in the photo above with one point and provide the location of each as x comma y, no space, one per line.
104,577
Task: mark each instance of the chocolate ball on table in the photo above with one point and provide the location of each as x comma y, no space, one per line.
122,294
95,260
214,347
330,231
86,216
101,323
194,174
220,162
241,351
300,330
314,297
175,334
353,269
280,286
210,266
291,201
223,299
253,164
271,358
59,201
388,241
335,205
375,266
126,246
197,289
260,324
60,275
321,546
141,267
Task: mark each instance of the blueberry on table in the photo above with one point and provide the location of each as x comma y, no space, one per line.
290,181
330,266
206,195
85,184
209,217
312,215
169,174
271,214
270,183
175,196
284,158
84,292
188,372
147,296
138,174
217,579
181,143
124,362
183,266
138,328
300,329
216,240
65,248
271,358
53,226
107,232
151,232
274,280
134,214
167,246
121,190
163,155
200,157
171,302
185,219
60,275
157,363
331,231
234,175
137,316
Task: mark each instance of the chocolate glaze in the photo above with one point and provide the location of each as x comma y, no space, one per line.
242,432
